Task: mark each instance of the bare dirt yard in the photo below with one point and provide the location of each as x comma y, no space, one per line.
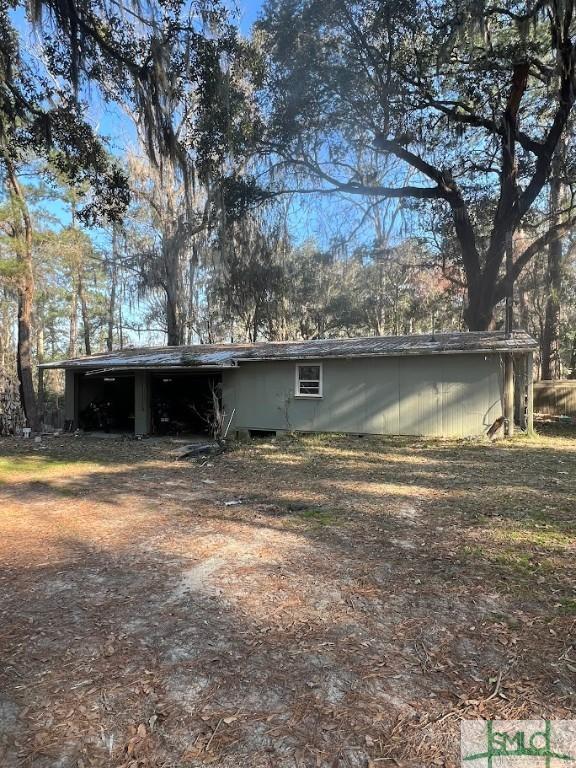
364,597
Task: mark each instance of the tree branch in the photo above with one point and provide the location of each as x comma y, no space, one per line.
396,149
532,250
566,98
470,118
448,190
356,188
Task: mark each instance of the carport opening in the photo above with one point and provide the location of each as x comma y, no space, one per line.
183,403
106,403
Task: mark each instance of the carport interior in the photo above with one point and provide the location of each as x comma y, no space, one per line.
106,402
182,403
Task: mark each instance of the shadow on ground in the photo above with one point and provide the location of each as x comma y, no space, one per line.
363,597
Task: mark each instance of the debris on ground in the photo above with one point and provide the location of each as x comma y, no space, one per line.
201,450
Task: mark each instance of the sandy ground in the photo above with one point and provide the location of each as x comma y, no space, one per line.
364,597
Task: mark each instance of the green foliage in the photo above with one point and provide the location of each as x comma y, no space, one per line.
10,270
42,118
264,287
456,107
320,517
567,607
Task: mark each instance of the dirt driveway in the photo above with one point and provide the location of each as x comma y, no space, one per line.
364,597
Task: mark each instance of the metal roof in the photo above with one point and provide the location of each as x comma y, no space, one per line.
226,355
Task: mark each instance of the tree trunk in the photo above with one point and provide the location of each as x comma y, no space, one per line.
113,289
120,326
551,335
23,228
192,263
73,323
524,309
24,353
40,358
173,286
479,312
172,325
174,245
5,338
111,311
85,316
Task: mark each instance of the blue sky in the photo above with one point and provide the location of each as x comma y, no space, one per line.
319,219
324,220
249,11
108,119
113,123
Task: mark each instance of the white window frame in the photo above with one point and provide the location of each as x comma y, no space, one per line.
306,395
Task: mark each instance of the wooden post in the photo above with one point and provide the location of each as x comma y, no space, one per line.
521,389
142,424
70,400
530,393
509,394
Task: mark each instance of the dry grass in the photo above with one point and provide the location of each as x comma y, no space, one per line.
365,596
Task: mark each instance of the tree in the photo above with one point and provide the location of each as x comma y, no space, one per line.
21,234
196,122
551,332
471,99
249,281
39,118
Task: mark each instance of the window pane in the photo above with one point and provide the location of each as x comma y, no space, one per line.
309,372
309,388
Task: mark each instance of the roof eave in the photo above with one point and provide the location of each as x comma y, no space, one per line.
93,365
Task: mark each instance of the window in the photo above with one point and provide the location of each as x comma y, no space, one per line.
309,381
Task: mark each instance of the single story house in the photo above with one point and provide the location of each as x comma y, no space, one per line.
446,384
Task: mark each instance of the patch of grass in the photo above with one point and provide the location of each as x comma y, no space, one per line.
521,564
541,537
30,467
320,438
471,553
567,606
513,562
505,564
318,516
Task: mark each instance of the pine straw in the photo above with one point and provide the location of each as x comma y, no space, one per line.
363,599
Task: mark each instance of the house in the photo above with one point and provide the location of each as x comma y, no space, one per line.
448,384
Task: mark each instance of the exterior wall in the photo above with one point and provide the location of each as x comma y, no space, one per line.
435,395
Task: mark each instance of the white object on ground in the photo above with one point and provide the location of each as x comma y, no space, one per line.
230,422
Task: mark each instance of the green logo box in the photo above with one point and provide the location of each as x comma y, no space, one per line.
518,743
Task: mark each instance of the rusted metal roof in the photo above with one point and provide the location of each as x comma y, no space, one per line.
226,355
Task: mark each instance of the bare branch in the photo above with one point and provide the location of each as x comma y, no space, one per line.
532,250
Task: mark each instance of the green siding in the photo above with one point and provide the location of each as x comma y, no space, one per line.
441,395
